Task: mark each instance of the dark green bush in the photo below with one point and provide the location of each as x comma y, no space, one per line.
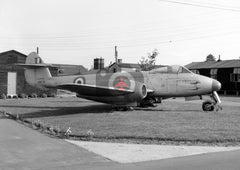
3,96
34,95
44,95
22,96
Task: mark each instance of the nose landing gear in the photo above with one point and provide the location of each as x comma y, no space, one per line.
214,104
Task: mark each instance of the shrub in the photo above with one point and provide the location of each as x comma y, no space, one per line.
52,94
44,95
3,96
34,95
22,96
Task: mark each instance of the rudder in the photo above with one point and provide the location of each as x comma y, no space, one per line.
36,72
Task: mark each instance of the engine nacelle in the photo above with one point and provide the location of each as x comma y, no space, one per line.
140,92
137,94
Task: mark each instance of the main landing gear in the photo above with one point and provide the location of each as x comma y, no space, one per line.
123,108
147,102
213,104
150,102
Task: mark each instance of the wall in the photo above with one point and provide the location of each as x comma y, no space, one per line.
223,76
7,61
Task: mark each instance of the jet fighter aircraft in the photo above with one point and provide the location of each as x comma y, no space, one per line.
127,89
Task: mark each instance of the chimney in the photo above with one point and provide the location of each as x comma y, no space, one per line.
219,58
119,60
37,50
98,63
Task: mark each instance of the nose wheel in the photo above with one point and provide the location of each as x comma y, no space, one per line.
214,104
208,106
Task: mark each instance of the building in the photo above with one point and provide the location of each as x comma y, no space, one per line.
128,67
12,79
115,67
225,71
98,67
67,69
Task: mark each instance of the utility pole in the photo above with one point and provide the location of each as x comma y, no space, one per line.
116,55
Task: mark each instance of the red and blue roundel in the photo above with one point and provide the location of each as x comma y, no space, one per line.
122,81
79,80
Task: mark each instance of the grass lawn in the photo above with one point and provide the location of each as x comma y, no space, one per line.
173,120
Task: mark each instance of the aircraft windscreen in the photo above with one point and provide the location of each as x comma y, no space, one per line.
183,70
175,69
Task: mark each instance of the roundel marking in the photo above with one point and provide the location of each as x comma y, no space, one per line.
120,76
79,80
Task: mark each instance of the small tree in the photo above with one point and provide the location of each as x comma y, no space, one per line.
210,57
148,63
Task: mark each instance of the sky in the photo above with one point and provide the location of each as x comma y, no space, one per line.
77,31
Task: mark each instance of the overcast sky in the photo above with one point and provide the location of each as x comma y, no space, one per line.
77,31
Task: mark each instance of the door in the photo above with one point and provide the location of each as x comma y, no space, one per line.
12,83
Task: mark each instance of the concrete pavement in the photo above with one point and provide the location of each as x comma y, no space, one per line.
24,148
132,153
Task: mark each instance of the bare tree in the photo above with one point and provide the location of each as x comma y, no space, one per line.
148,63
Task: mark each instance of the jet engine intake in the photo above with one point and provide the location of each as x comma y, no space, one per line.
140,92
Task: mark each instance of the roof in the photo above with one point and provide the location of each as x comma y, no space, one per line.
126,65
69,65
76,67
132,65
96,71
214,64
14,51
129,65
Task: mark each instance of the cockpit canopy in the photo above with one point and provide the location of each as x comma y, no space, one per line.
175,69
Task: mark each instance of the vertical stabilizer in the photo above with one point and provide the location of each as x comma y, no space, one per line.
36,73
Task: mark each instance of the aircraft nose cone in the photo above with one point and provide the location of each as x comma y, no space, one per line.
216,85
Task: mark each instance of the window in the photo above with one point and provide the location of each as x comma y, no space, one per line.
213,73
184,70
195,71
235,76
175,69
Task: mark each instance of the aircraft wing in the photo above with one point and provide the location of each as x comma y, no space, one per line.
93,90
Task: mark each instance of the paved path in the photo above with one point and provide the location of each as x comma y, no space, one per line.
133,153
22,148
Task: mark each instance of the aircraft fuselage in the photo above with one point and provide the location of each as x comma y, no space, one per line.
162,84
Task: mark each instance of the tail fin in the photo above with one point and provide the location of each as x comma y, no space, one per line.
36,72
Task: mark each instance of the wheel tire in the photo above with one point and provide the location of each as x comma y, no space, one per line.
208,106
124,108
119,108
